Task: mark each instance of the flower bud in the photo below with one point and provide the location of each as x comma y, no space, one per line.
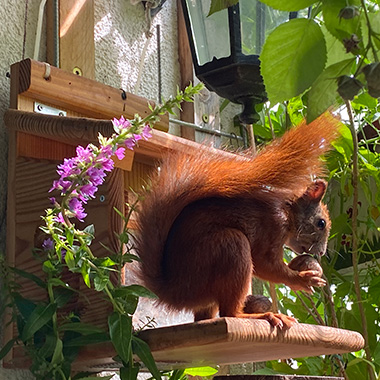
349,12
348,87
372,75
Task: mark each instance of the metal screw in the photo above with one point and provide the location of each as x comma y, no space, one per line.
39,107
102,198
77,71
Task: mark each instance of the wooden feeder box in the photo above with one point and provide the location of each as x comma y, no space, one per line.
38,142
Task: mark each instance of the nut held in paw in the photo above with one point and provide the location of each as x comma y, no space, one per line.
305,262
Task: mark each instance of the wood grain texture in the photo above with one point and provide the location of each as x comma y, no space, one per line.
186,70
76,130
76,37
232,340
88,97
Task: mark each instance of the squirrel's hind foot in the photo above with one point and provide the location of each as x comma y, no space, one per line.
279,320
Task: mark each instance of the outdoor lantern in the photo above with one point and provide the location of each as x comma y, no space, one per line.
225,48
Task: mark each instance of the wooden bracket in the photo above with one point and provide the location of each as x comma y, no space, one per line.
42,82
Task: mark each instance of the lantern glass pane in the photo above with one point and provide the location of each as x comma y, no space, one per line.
257,21
210,34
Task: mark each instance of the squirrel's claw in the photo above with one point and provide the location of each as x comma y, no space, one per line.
282,321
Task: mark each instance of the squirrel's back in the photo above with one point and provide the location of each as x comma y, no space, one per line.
287,165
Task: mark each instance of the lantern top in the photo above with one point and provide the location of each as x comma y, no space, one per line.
225,48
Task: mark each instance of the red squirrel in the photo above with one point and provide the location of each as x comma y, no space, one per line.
211,220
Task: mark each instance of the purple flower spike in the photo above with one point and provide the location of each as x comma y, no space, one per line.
122,123
84,154
107,164
130,143
120,153
68,168
105,151
96,176
59,219
47,245
88,191
76,207
146,132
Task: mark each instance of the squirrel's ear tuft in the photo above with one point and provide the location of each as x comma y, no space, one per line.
316,191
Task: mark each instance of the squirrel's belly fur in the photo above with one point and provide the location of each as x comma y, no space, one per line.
212,219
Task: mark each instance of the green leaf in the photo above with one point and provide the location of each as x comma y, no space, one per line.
70,235
7,347
58,354
90,229
48,348
29,276
40,316
82,328
201,371
293,56
85,270
288,5
135,290
63,295
335,49
69,259
48,267
142,350
107,262
24,306
323,92
177,374
120,328
101,281
129,373
129,303
340,27
218,5
365,100
88,339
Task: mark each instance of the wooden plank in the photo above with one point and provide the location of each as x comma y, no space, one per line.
186,70
82,95
76,37
11,205
52,33
74,130
223,341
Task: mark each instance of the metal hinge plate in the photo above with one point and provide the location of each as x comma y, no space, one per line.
47,110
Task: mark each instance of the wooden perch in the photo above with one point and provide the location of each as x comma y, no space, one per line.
231,340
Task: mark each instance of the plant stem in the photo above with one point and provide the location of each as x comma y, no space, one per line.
251,138
273,295
314,313
355,258
330,301
370,31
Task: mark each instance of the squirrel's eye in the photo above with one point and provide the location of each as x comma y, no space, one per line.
321,224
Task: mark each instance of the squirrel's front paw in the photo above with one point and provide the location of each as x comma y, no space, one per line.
309,273
308,279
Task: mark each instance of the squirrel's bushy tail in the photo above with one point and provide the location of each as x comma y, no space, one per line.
286,164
